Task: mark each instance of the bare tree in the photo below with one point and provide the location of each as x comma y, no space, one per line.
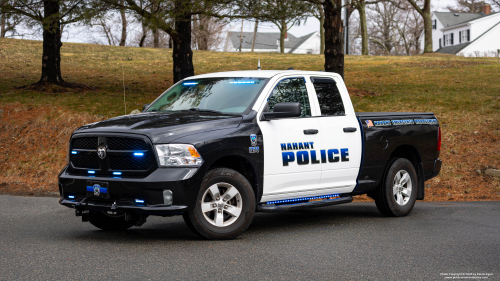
467,6
8,21
319,13
207,32
360,5
425,12
383,22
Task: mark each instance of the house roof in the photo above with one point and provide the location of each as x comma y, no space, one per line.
266,40
452,50
448,19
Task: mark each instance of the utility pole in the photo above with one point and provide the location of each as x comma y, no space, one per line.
255,33
241,34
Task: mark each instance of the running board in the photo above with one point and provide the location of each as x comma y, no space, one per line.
302,206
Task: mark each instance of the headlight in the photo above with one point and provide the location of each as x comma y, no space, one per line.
175,155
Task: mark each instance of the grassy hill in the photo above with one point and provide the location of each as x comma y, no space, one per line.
35,126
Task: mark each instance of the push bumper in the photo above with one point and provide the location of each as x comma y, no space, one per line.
123,206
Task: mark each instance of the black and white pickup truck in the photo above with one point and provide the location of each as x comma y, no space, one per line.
216,148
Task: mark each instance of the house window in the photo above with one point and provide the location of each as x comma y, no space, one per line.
309,51
440,43
434,24
465,36
448,39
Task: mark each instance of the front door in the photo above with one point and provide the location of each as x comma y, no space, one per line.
291,165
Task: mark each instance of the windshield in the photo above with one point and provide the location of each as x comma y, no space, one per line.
227,95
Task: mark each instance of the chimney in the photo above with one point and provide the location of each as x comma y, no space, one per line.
286,33
486,9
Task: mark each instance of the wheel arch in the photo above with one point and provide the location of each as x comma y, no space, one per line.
411,153
242,166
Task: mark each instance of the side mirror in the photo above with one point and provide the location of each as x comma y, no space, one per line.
283,110
144,107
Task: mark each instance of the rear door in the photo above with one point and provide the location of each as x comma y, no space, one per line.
291,166
340,134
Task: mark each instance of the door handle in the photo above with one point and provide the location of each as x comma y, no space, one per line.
310,132
350,130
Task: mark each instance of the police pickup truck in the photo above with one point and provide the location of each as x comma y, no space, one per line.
216,148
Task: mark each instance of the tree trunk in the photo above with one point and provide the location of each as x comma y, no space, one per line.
51,58
144,34
170,42
255,34
334,47
182,53
363,27
2,25
321,29
156,38
203,33
124,25
283,31
427,26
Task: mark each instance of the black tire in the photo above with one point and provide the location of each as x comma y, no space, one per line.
204,223
110,222
391,197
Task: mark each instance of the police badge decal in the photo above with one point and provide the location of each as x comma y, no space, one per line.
253,139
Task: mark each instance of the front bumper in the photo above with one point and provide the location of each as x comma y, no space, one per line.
124,191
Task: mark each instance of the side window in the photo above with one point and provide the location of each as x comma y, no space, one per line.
330,101
291,90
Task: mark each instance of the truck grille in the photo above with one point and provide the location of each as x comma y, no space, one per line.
119,154
85,161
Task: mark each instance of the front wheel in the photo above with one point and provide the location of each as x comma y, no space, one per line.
397,194
225,205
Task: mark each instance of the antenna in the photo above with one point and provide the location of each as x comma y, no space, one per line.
258,65
124,102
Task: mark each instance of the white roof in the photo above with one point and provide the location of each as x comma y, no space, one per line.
258,73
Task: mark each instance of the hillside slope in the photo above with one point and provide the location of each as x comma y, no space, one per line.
462,92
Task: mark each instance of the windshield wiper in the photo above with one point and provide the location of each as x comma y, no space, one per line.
204,110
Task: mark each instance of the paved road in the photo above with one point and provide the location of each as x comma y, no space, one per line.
40,240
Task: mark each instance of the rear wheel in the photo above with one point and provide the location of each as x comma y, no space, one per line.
225,205
397,194
110,221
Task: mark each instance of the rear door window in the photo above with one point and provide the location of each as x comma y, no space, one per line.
330,101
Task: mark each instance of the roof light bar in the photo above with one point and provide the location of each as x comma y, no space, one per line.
331,196
242,82
190,83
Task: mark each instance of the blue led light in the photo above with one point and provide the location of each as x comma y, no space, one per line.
242,82
71,196
190,83
138,154
91,172
334,196
139,201
117,173
74,152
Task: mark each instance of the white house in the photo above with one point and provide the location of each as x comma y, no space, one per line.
467,34
270,42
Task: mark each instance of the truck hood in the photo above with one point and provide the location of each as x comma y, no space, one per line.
163,127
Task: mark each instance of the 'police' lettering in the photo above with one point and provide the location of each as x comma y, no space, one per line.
313,157
288,157
331,158
344,153
302,157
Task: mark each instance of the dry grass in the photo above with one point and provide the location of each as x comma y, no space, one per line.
462,92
